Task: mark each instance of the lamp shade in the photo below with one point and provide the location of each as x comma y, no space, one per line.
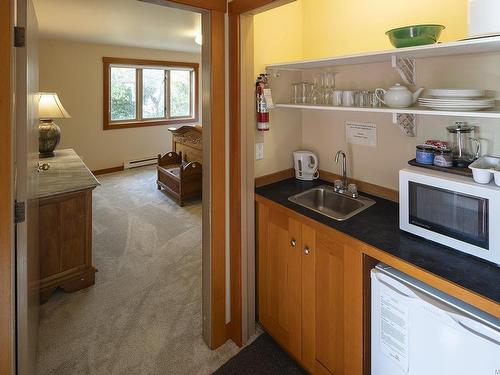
50,107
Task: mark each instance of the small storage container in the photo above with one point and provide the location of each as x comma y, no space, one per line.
425,154
484,168
443,158
496,173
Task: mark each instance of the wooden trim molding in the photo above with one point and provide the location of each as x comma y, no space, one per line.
108,125
236,9
274,177
163,63
194,5
107,170
6,178
235,331
218,177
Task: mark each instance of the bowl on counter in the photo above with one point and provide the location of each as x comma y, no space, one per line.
496,173
485,168
415,35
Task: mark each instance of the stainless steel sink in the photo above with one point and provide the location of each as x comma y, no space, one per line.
324,200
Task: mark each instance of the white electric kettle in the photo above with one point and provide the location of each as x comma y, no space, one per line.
306,165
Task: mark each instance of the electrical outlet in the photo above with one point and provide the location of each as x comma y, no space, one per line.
259,151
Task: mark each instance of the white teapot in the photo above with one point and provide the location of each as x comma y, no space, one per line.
398,96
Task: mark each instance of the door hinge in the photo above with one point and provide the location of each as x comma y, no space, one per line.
19,212
19,36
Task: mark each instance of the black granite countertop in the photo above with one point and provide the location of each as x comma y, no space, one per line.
378,226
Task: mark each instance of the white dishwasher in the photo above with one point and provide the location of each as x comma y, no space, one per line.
418,330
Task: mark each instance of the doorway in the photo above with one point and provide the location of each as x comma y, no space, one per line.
213,238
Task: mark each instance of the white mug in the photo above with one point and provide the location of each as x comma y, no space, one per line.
337,98
348,98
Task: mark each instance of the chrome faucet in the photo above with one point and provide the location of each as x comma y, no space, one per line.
343,186
344,168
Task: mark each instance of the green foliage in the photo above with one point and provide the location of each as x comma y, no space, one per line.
153,93
180,98
123,94
122,103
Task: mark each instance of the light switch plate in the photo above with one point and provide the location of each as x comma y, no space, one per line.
259,151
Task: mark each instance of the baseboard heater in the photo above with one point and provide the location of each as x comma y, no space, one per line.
140,162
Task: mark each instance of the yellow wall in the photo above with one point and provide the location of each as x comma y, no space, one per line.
320,28
338,27
278,36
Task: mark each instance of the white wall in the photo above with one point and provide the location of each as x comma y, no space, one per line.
324,132
74,71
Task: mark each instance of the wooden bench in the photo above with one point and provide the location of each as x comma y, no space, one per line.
180,170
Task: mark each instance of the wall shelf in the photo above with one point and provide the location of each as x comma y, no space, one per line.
465,47
491,113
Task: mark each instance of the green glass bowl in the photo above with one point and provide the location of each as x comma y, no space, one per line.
416,35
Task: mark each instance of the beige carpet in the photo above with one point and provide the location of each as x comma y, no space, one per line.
143,315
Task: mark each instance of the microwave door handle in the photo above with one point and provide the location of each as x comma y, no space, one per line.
476,328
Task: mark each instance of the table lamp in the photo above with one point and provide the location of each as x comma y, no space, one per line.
49,108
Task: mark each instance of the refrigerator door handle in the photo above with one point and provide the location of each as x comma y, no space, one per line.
395,285
476,328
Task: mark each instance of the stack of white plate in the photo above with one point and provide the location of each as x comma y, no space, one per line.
456,100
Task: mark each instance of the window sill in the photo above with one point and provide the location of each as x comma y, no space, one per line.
142,124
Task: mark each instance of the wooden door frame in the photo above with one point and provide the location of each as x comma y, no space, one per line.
213,11
7,302
236,9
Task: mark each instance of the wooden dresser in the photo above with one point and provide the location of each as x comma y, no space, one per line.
65,224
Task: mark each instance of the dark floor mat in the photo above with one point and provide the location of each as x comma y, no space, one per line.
263,356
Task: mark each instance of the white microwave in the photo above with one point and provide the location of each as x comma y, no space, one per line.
452,210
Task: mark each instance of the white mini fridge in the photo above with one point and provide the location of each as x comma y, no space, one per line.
418,330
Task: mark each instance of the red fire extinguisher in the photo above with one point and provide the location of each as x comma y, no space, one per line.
264,102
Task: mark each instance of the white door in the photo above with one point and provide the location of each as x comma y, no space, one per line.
26,184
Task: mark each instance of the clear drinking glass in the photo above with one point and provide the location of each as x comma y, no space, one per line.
300,92
337,98
362,99
318,95
296,93
329,88
373,100
348,98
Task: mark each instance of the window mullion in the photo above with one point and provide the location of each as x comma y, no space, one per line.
138,94
191,94
167,93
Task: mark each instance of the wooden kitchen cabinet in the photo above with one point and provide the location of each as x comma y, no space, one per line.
279,274
332,309
327,270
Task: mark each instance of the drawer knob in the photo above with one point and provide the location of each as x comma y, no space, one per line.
307,251
293,242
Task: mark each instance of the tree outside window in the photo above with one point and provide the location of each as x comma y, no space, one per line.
145,93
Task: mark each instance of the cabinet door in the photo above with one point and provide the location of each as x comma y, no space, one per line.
331,304
279,277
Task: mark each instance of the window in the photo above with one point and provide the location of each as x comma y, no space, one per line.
145,93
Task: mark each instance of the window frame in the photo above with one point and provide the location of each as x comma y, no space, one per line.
139,121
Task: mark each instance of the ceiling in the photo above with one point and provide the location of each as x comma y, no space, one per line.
119,22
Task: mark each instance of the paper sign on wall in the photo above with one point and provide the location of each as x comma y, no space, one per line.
361,133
